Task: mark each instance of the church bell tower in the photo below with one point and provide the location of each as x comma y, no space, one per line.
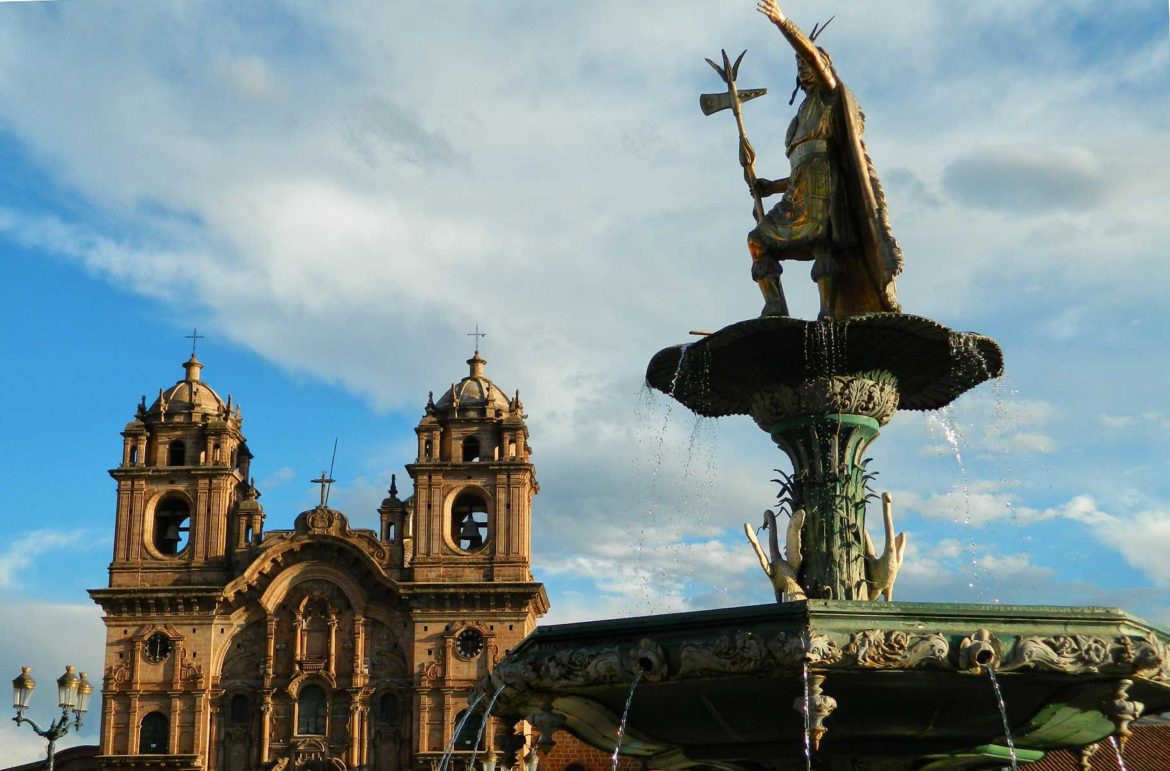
473,484
184,467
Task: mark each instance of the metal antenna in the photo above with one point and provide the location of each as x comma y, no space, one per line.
331,462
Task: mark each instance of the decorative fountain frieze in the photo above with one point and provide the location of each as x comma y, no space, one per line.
874,685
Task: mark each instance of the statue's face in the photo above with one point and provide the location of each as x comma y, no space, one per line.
804,74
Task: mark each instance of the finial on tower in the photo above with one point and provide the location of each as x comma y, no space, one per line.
194,337
325,481
477,335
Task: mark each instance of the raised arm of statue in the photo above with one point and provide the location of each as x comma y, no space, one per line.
805,48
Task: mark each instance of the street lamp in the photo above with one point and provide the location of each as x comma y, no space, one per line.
73,692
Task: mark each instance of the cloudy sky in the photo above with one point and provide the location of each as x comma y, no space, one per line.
335,194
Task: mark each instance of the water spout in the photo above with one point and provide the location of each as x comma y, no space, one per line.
625,714
1007,731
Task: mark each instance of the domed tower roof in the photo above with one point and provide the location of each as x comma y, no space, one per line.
475,391
190,395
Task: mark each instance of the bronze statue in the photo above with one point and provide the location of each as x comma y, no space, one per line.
833,210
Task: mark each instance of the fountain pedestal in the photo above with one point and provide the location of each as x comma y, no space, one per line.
823,390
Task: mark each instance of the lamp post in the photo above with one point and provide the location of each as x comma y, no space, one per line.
73,692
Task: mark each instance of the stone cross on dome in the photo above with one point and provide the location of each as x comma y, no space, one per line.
194,337
477,335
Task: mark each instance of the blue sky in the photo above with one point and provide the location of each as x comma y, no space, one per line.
335,194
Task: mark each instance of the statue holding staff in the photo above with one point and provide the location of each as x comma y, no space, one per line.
833,210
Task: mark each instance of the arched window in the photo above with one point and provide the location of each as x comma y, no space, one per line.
171,525
154,736
134,455
176,453
469,522
388,708
428,449
240,712
465,738
311,711
470,449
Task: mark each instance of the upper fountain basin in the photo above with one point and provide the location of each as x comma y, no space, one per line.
723,373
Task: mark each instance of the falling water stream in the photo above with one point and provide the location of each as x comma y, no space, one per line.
807,721
1117,749
1007,731
446,761
945,421
621,734
487,715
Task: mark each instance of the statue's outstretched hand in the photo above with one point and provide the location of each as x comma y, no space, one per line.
771,9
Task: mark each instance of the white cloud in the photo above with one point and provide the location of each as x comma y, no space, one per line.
47,637
22,553
348,192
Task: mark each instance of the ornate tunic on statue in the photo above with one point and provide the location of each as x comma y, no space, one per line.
833,211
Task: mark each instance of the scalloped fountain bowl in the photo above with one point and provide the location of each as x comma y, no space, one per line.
722,373
900,685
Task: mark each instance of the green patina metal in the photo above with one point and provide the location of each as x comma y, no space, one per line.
829,483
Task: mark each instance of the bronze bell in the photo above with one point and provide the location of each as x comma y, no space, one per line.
469,531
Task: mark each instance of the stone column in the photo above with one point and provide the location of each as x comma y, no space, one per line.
359,650
202,728
298,635
265,725
332,642
270,646
133,717
173,739
109,728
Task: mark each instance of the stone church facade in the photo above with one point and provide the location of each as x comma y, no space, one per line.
232,646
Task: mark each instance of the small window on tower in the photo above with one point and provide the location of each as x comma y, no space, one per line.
470,449
134,455
428,449
469,522
176,453
171,525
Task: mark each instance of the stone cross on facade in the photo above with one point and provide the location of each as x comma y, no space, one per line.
324,480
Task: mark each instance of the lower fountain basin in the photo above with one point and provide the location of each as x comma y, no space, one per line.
909,679
722,373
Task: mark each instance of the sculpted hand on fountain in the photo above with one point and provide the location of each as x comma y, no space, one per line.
880,572
781,571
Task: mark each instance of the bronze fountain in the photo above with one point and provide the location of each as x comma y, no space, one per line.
872,685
